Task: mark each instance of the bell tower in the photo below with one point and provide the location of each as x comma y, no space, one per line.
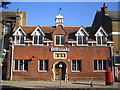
59,19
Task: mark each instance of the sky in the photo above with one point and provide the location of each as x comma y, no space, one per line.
75,13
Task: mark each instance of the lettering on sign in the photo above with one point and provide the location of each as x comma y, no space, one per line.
56,49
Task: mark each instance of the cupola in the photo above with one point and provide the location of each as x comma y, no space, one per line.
59,18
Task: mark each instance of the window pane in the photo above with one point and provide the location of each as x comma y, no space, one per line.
57,40
104,65
62,39
17,39
99,64
79,40
16,64
95,65
74,65
41,65
21,65
25,65
35,39
84,40
99,39
78,65
22,40
103,40
46,65
40,40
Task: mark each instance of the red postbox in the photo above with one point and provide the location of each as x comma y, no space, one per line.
109,78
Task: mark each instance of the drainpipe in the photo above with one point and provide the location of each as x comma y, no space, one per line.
11,63
112,69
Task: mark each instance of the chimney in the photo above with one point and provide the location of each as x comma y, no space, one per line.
104,8
18,17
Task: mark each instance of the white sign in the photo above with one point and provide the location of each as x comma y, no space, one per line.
56,49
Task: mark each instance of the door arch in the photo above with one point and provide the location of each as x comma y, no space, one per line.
60,73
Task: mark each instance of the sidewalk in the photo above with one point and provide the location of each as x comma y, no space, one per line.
54,85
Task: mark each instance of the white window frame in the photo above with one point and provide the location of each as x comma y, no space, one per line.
19,66
76,66
54,55
60,40
98,66
114,60
19,39
43,66
82,41
101,41
37,40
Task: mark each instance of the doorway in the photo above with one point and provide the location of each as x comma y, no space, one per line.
60,70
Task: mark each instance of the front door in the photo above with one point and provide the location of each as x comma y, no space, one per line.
60,71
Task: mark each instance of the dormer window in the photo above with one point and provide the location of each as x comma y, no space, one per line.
82,37
101,37
60,40
37,39
19,36
38,36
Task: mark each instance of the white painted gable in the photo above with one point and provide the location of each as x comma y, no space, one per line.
81,32
38,31
19,31
101,32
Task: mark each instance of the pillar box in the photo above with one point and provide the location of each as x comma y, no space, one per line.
109,78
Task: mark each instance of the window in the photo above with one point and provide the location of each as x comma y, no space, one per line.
101,40
37,39
20,65
19,39
60,55
117,60
43,65
60,39
100,65
76,65
82,40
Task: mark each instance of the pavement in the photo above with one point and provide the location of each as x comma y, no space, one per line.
48,85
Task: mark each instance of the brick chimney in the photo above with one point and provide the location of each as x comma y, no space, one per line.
18,17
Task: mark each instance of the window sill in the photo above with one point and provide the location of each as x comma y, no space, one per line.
19,71
59,45
102,45
76,71
101,71
19,44
82,45
42,71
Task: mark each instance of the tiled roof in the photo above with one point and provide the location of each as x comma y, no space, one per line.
68,30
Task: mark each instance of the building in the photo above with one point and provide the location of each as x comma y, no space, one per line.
110,20
59,52
7,22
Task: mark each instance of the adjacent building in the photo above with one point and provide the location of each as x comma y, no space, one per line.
7,22
59,52
110,20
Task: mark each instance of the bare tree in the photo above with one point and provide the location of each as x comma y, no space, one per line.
4,4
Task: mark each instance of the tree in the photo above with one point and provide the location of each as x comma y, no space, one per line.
4,4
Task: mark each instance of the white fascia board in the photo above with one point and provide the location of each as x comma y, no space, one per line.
99,31
91,41
27,41
110,42
81,28
18,30
72,41
36,30
115,33
47,41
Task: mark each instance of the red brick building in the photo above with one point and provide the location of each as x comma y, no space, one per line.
59,52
